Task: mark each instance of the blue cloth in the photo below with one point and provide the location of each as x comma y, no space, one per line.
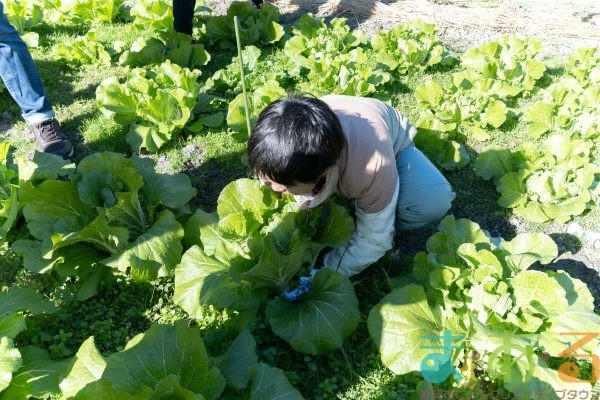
20,75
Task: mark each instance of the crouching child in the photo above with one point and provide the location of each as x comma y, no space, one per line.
359,149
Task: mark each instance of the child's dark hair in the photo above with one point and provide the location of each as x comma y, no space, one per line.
295,140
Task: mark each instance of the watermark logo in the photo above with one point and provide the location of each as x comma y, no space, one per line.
503,361
437,367
569,371
506,356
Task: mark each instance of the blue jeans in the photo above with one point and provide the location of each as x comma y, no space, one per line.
20,75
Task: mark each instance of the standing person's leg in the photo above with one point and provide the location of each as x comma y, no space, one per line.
425,195
20,75
183,16
22,80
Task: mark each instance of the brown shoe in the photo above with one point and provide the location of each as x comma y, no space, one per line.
50,139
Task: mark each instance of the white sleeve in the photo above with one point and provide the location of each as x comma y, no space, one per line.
374,236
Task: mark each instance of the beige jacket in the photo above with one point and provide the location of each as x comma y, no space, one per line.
375,135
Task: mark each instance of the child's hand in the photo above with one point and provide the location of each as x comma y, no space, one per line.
302,288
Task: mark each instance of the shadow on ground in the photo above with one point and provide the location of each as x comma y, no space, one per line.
345,9
212,175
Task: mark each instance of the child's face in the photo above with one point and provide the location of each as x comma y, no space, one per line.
307,195
296,189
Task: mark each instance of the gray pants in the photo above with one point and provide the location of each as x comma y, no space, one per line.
425,195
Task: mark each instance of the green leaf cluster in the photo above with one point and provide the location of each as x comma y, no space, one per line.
209,111
263,78
256,244
312,37
510,62
230,76
553,182
14,173
156,103
92,11
154,14
571,105
9,206
112,212
353,74
439,119
467,102
411,47
584,65
448,154
257,26
258,71
333,58
83,50
12,303
25,15
170,362
165,362
177,48
257,101
482,289
475,98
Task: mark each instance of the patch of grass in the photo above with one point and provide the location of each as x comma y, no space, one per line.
114,316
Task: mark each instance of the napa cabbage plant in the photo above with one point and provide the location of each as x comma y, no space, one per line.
467,102
16,172
92,11
253,248
512,63
177,48
9,206
333,58
553,183
165,362
411,47
570,105
311,36
260,67
25,15
584,65
113,214
155,103
482,291
82,50
171,362
475,99
157,14
14,361
257,26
